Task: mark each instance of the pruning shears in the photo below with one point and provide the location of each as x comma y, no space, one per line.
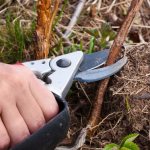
58,75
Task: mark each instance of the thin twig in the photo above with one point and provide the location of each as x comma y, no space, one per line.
7,2
148,2
134,25
74,18
107,117
68,42
99,5
115,49
111,6
86,95
117,4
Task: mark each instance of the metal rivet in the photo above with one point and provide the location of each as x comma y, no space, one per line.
61,124
43,62
63,63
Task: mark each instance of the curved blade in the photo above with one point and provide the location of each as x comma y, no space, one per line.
94,60
101,73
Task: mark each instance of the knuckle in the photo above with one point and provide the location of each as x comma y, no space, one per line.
28,72
37,124
21,77
16,80
4,142
52,109
48,113
18,83
51,112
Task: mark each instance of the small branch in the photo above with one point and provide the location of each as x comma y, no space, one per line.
64,38
74,18
115,49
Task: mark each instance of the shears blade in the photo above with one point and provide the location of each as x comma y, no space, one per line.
101,73
94,60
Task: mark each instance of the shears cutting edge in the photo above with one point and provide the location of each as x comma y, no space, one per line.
58,75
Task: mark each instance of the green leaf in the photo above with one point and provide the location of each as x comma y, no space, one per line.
131,146
19,38
103,43
124,148
129,138
107,34
111,146
92,43
60,14
106,31
93,32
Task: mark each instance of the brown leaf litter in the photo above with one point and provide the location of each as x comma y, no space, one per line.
126,107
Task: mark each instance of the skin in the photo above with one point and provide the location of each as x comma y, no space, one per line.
25,104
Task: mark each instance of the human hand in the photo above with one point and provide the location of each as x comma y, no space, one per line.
25,104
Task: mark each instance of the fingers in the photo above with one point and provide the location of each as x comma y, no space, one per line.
14,124
31,112
44,98
4,137
25,105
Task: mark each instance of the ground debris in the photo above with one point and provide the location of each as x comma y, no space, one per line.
122,113
130,90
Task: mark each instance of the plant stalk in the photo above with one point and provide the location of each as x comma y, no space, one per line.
114,53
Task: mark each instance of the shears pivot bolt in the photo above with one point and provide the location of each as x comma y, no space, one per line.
63,63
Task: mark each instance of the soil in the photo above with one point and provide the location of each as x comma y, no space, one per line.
126,108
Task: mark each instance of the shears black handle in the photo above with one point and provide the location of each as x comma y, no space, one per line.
51,134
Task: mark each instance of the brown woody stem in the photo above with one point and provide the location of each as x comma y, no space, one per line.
46,14
114,53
